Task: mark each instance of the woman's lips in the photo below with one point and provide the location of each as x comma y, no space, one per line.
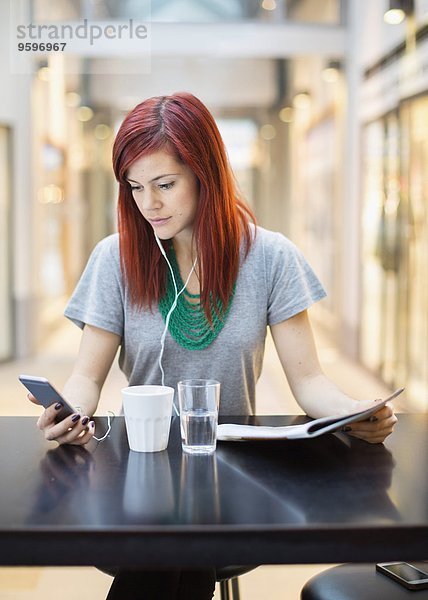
159,222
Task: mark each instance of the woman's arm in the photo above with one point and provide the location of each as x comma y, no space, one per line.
97,350
315,393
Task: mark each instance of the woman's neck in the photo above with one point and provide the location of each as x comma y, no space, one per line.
186,257
184,250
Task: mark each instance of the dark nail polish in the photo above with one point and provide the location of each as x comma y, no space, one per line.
92,425
75,418
85,420
58,406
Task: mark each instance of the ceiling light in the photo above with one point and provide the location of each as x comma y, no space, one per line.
302,100
331,72
269,4
44,74
286,114
84,113
50,194
102,132
398,10
268,132
394,16
72,99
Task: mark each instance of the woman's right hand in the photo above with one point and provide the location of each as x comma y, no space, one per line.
76,429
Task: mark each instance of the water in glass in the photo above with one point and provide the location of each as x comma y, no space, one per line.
199,431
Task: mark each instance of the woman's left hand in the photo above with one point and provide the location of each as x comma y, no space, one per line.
376,428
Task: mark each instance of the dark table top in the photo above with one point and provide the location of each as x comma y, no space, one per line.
328,499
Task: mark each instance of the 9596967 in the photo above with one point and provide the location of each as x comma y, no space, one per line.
41,46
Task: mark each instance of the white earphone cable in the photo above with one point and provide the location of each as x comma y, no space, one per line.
110,416
171,310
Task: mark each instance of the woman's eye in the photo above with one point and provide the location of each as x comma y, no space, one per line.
166,186
136,188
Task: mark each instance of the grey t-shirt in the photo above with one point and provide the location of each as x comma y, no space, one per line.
274,283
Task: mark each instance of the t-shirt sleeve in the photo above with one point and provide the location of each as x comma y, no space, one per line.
98,297
293,286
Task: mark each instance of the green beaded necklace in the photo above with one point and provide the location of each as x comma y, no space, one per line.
188,324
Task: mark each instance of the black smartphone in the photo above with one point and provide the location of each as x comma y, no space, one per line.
46,394
408,575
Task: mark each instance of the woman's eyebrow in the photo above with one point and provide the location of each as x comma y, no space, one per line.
154,178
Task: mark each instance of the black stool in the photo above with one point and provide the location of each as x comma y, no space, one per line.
226,576
228,579
357,582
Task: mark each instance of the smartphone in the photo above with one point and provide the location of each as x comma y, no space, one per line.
46,394
408,575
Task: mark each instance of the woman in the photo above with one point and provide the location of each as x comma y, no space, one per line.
175,183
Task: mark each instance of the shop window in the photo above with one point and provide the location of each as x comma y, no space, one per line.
6,316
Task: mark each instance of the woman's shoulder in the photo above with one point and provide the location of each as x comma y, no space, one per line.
109,242
108,246
270,242
105,254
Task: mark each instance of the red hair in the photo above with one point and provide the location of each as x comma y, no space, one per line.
181,124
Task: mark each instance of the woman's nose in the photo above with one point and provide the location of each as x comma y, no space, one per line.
150,200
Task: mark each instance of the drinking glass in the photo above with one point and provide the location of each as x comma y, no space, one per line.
199,401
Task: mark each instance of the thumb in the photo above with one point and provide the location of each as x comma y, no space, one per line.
32,399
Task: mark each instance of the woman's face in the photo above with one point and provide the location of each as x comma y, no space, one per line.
166,192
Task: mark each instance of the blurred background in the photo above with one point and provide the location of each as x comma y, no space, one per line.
323,106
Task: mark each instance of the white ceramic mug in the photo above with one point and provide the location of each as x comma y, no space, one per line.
148,411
